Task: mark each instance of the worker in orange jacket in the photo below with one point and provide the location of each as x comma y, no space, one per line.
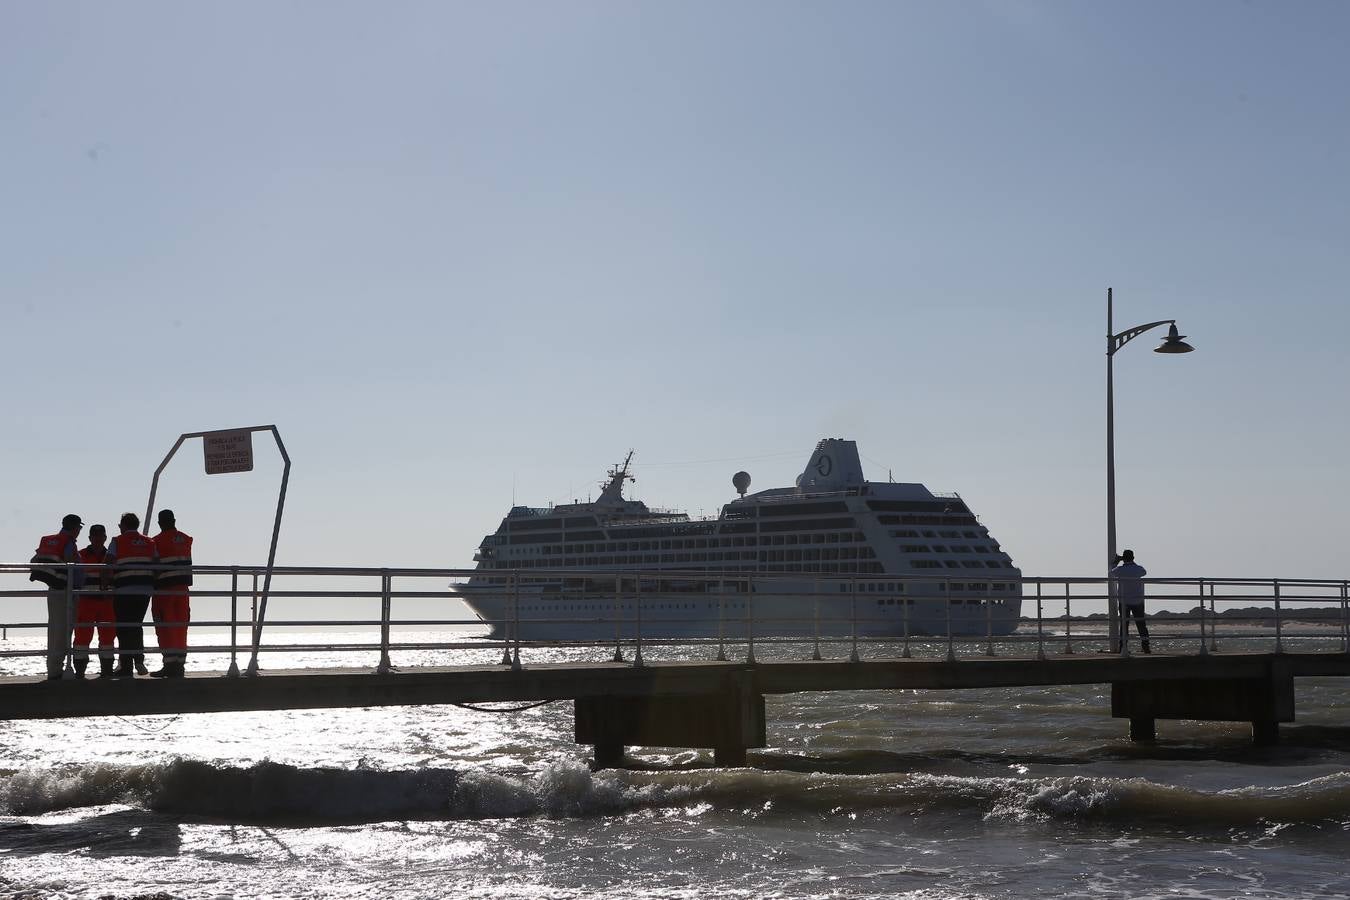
94,610
169,608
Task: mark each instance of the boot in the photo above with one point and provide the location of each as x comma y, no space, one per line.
105,667
173,668
1144,645
139,659
124,670
80,666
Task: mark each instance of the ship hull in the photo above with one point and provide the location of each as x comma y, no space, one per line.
776,611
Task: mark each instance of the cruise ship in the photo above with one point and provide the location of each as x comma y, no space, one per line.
833,555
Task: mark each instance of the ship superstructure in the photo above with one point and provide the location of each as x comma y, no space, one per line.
833,553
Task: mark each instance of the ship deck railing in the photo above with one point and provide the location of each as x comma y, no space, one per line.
407,617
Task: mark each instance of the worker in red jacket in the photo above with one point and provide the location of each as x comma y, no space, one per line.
169,608
94,610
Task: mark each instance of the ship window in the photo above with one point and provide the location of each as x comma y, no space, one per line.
925,564
952,564
970,534
929,534
993,564
938,548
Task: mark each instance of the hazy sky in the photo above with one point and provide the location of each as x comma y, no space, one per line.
461,252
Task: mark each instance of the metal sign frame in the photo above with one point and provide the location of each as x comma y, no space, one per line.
276,524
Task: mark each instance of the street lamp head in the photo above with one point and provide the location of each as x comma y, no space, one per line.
1173,343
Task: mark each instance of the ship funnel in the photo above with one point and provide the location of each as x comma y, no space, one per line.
834,466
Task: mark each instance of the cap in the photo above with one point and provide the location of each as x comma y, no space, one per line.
71,521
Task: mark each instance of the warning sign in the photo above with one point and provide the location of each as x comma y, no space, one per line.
228,451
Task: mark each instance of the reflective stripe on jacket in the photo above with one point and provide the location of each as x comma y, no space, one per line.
175,550
132,553
47,561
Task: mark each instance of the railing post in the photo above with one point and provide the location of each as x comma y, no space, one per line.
384,667
1213,622
853,608
1040,625
749,622
988,621
721,621
1068,623
68,671
515,613
637,608
1279,641
815,620
904,648
508,619
1345,616
951,646
233,670
618,620
254,630
1203,650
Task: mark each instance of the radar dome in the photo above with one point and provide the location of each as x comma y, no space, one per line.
741,481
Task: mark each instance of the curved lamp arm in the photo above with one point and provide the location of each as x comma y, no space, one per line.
1120,340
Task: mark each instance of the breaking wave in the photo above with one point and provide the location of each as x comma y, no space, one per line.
273,792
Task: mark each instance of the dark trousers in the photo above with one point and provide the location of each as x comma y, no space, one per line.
1137,612
129,608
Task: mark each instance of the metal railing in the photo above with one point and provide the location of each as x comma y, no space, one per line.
630,615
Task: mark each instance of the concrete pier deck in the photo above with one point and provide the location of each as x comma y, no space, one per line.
706,703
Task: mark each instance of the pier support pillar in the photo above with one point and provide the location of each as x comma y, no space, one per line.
609,755
728,722
1265,733
1143,728
1264,702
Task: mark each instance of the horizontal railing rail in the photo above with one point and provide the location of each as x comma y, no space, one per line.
625,612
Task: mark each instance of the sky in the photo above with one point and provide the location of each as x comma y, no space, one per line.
468,255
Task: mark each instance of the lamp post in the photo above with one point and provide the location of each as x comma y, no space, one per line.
1173,343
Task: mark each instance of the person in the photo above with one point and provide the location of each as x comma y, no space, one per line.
94,610
48,566
170,606
1130,592
129,559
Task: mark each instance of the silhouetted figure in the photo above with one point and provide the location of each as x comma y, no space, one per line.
1130,593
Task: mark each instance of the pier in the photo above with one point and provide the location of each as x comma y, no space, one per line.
711,695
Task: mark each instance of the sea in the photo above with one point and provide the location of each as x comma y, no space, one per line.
919,794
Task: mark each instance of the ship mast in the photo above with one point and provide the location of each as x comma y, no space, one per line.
618,474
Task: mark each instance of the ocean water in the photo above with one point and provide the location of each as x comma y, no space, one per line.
932,794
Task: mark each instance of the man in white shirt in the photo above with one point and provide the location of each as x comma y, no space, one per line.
1130,592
